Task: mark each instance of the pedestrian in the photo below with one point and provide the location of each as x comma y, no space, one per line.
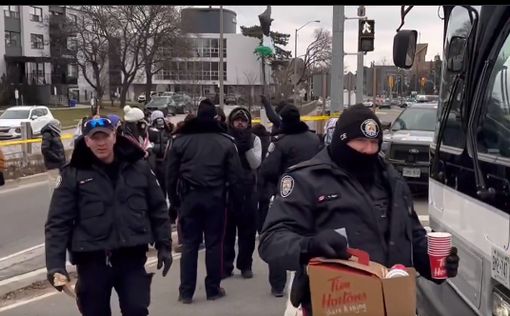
292,144
52,150
106,208
273,114
160,136
346,195
135,128
329,128
2,167
201,161
242,208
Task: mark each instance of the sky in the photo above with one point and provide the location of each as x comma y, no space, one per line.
424,19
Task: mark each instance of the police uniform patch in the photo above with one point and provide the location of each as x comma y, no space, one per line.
286,186
369,128
58,182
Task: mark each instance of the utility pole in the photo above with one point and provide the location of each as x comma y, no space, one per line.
221,70
374,81
337,63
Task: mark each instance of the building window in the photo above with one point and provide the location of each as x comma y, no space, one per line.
36,14
11,11
12,39
36,73
72,43
72,70
37,41
73,18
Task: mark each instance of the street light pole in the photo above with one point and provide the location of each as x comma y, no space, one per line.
220,68
295,58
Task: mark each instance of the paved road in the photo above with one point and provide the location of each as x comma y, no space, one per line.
244,297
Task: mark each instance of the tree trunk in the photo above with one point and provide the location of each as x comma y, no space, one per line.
123,93
148,83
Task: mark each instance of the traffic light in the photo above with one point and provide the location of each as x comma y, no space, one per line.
366,33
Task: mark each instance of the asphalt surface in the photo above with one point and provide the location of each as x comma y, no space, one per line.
244,297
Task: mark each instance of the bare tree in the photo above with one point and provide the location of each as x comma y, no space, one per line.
92,49
251,78
159,29
317,55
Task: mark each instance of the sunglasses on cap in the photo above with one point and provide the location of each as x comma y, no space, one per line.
98,122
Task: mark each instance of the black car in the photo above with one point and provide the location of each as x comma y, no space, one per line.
165,104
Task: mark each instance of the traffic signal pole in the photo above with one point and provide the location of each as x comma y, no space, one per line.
337,60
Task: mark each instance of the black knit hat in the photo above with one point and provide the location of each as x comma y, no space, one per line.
290,114
357,121
206,110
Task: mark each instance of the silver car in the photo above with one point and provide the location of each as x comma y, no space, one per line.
406,144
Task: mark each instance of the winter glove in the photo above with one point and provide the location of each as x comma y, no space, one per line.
57,285
164,259
452,263
243,144
327,243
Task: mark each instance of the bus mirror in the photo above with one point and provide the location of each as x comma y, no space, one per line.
455,55
404,48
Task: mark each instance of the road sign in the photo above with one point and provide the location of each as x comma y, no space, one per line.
366,34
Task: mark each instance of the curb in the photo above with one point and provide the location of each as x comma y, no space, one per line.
38,177
23,280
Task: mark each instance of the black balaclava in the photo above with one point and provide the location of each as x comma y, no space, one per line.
357,121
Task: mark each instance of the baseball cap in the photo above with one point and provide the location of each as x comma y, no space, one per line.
98,124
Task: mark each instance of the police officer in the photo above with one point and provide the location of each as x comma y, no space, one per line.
202,160
106,208
292,144
345,195
242,208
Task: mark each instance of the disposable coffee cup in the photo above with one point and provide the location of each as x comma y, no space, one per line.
438,267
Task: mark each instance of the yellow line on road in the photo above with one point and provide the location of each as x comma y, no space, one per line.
28,141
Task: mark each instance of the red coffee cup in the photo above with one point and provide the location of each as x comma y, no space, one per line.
438,267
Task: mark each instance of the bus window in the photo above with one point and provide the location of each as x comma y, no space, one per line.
494,133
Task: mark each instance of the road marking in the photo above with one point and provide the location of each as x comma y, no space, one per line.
150,262
20,303
24,186
22,252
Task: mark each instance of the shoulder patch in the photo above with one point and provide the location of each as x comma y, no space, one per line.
286,186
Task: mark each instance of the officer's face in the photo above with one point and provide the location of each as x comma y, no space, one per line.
365,146
101,144
240,123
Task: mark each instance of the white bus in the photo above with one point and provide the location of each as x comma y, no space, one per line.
469,184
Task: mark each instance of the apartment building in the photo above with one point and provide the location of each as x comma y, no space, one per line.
199,74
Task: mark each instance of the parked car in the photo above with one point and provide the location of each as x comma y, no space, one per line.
167,94
406,144
10,120
183,103
165,104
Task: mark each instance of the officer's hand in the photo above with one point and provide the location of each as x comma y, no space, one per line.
61,279
327,243
452,263
164,259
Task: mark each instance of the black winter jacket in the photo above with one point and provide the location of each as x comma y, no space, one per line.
88,213
202,156
290,146
52,149
320,195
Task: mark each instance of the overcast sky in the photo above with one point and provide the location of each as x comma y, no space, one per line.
387,19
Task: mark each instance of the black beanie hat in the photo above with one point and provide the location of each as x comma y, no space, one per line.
206,110
357,121
290,114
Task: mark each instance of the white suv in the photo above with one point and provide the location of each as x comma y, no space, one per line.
10,120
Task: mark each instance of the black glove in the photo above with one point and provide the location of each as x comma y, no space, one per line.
327,243
164,259
51,278
243,144
452,263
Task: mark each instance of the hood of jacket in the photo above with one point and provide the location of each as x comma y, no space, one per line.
235,112
197,126
125,151
289,129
